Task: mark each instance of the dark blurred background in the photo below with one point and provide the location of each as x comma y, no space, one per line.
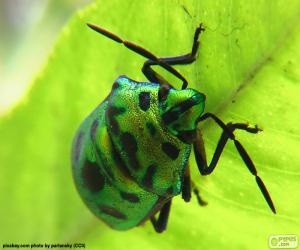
28,29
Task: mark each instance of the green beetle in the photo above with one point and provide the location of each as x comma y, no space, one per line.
130,155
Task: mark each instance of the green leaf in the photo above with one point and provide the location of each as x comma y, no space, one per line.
249,68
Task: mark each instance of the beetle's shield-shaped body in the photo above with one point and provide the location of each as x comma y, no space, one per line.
126,164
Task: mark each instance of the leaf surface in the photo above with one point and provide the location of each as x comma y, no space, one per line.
249,68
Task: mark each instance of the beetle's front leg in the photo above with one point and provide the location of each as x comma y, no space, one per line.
175,60
228,134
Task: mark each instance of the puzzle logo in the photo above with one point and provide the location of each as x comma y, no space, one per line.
283,241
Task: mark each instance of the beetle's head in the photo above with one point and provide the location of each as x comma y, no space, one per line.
179,110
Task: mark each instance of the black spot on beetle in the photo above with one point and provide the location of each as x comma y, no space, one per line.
144,100
120,163
134,163
173,114
129,145
148,178
107,170
94,129
151,128
112,212
128,140
187,136
130,197
170,150
92,177
111,114
170,116
78,146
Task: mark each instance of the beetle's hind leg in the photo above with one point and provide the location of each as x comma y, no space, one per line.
188,185
200,200
176,60
160,224
227,133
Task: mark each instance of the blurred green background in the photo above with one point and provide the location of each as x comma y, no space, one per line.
28,30
248,66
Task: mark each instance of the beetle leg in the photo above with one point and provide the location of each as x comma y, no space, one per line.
160,224
153,76
228,134
201,202
182,59
140,50
186,184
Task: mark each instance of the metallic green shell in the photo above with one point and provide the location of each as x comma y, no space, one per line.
126,164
